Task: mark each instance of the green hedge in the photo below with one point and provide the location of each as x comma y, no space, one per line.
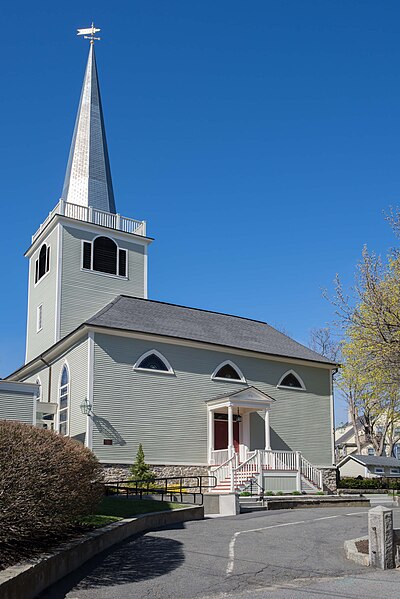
369,483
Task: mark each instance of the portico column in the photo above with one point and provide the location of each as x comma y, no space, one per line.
230,431
267,430
210,438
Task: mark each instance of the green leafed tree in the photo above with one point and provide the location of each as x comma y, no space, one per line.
369,317
139,469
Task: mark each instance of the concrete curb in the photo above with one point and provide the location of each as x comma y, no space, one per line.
284,503
26,581
353,554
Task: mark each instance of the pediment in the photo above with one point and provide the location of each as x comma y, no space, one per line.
250,396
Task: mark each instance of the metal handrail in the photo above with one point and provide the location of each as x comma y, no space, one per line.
161,486
251,484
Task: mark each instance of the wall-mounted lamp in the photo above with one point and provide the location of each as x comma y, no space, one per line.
238,417
86,407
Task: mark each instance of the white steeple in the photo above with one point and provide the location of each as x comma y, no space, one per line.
88,176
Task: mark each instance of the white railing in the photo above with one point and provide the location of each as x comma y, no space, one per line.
225,470
245,471
219,456
278,460
260,460
97,217
311,473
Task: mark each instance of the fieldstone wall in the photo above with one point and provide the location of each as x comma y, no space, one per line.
329,479
115,472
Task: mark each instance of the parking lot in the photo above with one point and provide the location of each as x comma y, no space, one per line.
280,554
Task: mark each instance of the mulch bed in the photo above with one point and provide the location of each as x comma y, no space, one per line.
363,546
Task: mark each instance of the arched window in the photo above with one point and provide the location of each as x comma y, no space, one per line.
153,361
104,255
228,371
291,380
39,395
63,401
42,264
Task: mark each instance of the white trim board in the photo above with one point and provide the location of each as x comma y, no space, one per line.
84,226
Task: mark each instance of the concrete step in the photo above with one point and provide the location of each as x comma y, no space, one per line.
253,499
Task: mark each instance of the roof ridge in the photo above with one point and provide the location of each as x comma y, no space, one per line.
104,309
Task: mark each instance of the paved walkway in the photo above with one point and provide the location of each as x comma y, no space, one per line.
280,554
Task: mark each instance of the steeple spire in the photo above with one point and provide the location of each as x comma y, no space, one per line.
88,176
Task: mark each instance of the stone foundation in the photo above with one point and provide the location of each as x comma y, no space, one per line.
115,472
329,479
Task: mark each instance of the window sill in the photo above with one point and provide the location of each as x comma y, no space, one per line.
222,380
167,372
104,274
41,279
291,388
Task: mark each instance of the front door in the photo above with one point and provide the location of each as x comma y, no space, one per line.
221,434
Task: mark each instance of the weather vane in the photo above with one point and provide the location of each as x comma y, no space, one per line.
89,33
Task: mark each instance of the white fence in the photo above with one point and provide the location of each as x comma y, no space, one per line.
260,461
97,217
219,456
311,473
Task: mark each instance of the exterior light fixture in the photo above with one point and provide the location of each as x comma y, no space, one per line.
86,407
238,417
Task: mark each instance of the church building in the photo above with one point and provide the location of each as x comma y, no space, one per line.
202,391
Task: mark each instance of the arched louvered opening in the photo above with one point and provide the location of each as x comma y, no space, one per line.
153,361
291,380
105,255
228,371
42,264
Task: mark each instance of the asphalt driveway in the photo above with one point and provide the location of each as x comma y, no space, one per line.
280,554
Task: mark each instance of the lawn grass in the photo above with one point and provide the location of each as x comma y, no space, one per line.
112,509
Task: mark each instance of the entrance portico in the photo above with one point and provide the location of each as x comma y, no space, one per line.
234,409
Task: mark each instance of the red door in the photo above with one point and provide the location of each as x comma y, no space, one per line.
221,435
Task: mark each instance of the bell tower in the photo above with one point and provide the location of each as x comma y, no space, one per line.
84,254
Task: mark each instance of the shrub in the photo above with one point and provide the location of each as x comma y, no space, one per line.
369,483
46,482
269,493
296,493
139,469
245,494
279,493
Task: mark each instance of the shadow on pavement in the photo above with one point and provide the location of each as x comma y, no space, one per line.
136,560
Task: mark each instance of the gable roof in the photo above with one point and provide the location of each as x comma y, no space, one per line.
179,322
348,434
372,460
242,391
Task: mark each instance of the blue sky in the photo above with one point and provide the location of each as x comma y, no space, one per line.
258,139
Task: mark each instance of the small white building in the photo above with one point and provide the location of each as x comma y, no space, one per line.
369,466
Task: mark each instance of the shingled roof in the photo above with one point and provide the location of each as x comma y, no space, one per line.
373,460
179,322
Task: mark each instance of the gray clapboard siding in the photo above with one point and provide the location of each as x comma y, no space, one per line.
77,360
44,292
16,405
280,483
168,415
83,293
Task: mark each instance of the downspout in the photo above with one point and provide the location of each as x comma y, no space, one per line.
334,371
